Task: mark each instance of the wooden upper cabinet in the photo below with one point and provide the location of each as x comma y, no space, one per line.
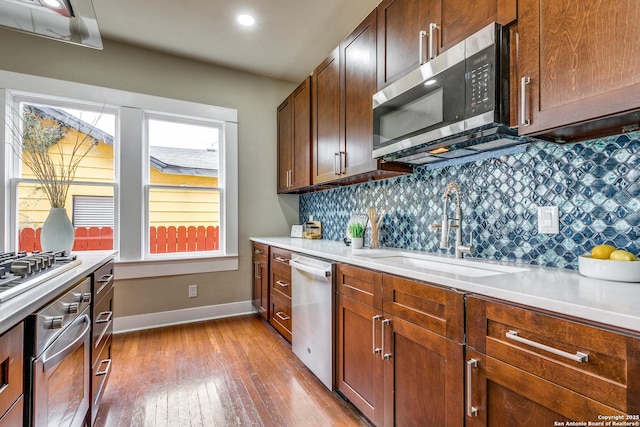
358,84
325,114
285,146
412,31
294,139
580,59
403,28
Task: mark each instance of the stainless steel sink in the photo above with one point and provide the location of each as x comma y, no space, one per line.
461,267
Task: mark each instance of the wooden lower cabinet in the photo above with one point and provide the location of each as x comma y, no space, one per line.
359,365
525,367
260,258
11,376
394,370
280,291
422,376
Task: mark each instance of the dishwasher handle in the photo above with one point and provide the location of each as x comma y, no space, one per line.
313,270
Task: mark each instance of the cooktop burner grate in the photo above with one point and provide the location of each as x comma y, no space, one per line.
21,271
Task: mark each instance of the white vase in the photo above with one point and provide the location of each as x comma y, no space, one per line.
57,232
357,242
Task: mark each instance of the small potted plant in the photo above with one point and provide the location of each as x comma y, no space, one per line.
356,230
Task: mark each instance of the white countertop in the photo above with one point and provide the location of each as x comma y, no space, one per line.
16,309
559,290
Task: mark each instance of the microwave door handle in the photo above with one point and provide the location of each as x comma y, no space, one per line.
50,361
421,36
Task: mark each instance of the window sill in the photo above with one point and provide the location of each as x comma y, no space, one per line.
174,267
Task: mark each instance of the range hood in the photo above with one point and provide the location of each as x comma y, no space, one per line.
71,21
453,106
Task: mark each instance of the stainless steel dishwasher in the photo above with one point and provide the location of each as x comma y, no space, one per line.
312,289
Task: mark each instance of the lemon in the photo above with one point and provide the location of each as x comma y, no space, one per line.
621,255
602,251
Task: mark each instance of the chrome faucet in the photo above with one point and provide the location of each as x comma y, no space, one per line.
445,226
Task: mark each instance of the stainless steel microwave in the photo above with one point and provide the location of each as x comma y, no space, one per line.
456,104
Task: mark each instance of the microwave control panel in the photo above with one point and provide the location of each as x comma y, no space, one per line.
480,82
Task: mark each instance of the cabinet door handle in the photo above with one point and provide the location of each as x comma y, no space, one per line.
343,162
524,101
472,411
421,35
283,284
374,319
336,164
578,357
385,356
282,316
432,27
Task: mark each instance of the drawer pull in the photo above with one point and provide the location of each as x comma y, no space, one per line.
105,371
281,283
472,411
285,260
578,357
258,251
282,316
106,278
104,317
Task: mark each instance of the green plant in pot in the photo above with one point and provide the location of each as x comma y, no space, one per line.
356,231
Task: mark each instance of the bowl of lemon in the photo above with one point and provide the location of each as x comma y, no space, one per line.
609,263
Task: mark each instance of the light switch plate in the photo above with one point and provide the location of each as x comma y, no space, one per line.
548,220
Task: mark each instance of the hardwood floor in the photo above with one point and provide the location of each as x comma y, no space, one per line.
227,372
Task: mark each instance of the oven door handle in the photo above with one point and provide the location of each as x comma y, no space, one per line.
74,344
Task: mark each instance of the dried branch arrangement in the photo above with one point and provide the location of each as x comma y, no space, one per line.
38,144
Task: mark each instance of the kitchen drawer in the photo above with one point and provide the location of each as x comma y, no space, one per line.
102,280
281,282
102,322
11,367
548,347
260,252
100,376
13,417
432,307
281,315
360,284
280,259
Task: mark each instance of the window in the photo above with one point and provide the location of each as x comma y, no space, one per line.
158,163
65,129
183,197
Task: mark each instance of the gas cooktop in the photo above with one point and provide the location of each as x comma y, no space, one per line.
21,271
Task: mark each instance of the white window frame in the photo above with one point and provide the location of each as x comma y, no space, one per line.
131,164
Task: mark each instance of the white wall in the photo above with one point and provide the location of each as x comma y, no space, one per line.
119,66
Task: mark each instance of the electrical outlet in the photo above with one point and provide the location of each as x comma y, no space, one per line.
548,221
193,291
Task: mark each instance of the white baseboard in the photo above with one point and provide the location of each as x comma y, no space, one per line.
177,317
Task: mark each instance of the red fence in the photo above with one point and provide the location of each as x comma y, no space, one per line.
161,239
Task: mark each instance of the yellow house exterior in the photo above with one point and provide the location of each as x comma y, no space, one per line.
167,206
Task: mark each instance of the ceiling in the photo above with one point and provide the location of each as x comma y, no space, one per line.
289,39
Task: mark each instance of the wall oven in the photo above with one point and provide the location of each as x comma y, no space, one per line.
59,373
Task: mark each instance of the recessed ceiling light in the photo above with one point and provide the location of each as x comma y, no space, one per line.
246,20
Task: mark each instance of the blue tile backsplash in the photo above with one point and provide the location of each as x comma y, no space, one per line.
595,184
